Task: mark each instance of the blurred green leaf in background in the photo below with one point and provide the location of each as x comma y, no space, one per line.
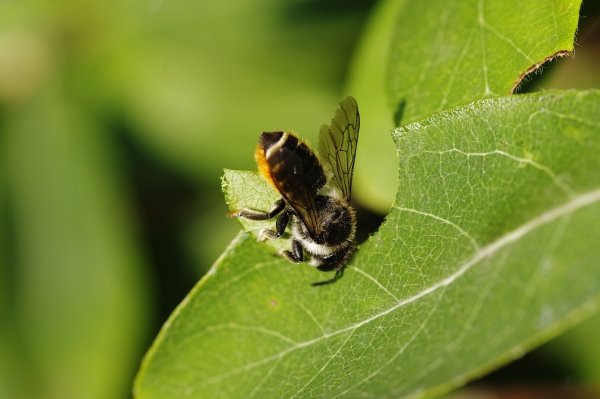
78,292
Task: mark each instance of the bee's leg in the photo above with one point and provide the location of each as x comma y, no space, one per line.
280,225
335,262
255,215
296,255
338,274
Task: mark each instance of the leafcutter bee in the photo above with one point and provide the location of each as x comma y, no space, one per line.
315,193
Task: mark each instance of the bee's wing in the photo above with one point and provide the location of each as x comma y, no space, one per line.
337,144
295,171
304,205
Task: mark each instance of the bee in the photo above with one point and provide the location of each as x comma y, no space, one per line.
315,195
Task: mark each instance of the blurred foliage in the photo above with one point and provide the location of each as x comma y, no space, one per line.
76,283
116,119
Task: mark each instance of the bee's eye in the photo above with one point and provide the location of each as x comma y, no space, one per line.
336,214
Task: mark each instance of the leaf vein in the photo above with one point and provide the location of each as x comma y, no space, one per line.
400,351
545,169
441,219
507,40
325,365
311,316
374,280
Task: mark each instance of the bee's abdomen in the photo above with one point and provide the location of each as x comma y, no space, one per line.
289,163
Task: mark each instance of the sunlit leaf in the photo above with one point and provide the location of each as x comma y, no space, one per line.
472,49
490,249
420,57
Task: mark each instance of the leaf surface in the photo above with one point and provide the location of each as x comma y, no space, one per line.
490,248
472,49
421,57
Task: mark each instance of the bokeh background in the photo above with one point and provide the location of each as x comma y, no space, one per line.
116,120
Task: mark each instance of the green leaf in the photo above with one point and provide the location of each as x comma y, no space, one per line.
421,57
490,249
472,49
245,189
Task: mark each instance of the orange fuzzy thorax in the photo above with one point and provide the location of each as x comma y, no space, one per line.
263,167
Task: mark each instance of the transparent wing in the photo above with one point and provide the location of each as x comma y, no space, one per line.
304,205
337,144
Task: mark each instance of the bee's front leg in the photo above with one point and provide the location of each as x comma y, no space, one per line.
280,225
256,215
296,255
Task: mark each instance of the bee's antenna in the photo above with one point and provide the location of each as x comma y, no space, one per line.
338,274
